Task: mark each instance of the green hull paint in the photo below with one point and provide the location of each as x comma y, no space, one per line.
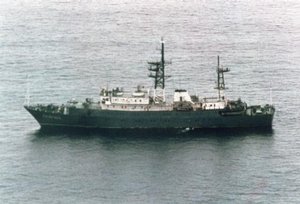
91,118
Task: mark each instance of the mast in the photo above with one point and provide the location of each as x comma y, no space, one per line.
157,71
163,63
221,81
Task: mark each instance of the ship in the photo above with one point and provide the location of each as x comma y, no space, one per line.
149,109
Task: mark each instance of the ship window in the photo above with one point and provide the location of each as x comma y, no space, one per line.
125,106
140,100
107,106
141,106
134,100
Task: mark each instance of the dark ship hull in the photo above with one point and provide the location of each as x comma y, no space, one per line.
108,119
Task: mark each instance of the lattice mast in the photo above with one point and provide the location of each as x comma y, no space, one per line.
221,81
157,71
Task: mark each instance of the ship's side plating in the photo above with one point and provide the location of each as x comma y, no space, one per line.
214,118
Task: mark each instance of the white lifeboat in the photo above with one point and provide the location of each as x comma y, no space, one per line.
119,94
138,94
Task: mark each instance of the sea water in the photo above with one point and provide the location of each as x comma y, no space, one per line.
56,50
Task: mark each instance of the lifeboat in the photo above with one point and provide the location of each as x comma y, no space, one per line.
138,94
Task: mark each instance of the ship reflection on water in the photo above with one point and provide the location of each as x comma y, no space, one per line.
154,134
